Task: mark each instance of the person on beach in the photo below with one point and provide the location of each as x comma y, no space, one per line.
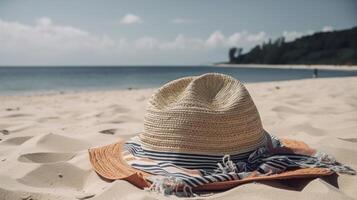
315,73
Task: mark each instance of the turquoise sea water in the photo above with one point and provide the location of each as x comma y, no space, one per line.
20,80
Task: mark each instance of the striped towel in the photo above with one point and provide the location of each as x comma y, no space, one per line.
191,170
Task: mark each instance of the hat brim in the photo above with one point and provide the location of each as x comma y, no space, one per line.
107,161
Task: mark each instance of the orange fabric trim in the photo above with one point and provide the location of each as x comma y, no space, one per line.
109,164
299,173
296,147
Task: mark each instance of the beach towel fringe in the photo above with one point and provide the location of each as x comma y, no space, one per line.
261,162
267,163
328,161
226,166
170,186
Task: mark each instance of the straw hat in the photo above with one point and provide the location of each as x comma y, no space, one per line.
208,114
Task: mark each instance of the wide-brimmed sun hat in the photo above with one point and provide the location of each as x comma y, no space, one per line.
205,133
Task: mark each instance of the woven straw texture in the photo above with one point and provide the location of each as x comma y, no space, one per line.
209,114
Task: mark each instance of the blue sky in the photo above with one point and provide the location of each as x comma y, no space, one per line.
108,32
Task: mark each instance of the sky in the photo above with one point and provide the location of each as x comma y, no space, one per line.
155,32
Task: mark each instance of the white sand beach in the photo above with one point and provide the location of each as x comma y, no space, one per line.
45,137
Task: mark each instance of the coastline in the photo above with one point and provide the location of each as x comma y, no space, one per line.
44,153
291,66
63,80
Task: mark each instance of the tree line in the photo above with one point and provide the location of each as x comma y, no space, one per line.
335,47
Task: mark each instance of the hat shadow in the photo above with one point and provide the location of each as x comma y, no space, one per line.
301,183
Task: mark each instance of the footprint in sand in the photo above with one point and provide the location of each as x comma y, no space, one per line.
309,129
17,128
12,109
45,157
353,140
5,132
119,119
59,143
46,119
112,110
286,109
16,140
82,196
56,175
18,115
108,131
114,121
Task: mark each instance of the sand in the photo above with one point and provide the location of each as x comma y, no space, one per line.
44,139
292,66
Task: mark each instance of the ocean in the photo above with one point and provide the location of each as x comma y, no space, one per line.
22,80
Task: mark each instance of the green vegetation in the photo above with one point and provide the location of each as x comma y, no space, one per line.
337,48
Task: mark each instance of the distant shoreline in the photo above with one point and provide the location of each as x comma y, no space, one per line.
22,80
276,66
292,66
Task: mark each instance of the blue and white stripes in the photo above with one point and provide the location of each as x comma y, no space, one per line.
194,169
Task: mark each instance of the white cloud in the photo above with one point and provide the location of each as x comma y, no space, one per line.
327,29
215,39
146,43
44,21
50,43
243,39
131,19
46,40
182,21
182,42
292,35
259,37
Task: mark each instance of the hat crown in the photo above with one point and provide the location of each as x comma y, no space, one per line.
208,114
